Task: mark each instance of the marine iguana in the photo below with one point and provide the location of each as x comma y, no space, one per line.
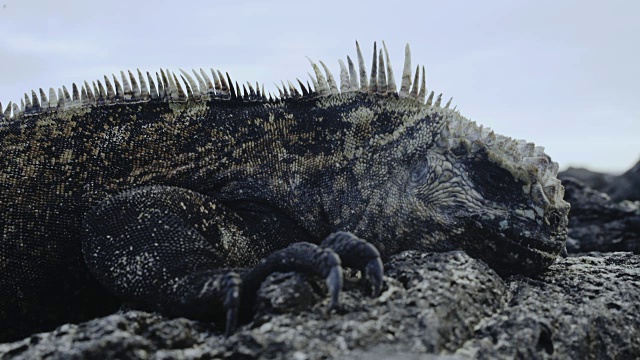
167,191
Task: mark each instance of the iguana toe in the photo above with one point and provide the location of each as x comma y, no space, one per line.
231,284
373,273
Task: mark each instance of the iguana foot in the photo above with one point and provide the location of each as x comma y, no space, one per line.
358,254
337,250
301,257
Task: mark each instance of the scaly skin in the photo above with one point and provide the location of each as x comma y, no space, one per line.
251,176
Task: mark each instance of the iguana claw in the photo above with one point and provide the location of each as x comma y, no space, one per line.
358,254
334,283
231,284
373,273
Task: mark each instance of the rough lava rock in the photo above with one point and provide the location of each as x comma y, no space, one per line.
433,306
581,308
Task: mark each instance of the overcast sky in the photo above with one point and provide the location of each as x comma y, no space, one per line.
563,74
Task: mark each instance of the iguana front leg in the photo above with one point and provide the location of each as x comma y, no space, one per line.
181,252
349,251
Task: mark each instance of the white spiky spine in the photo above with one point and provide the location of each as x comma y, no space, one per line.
524,160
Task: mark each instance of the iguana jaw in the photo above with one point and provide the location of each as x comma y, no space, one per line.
516,240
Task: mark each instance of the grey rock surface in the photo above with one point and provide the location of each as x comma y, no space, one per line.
598,223
433,306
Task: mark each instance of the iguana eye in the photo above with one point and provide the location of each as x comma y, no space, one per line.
419,172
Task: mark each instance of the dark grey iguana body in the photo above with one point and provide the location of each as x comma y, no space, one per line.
161,185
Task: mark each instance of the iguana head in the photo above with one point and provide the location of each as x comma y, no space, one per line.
495,197
448,183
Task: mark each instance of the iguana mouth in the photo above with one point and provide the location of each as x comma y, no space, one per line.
532,252
549,240
534,242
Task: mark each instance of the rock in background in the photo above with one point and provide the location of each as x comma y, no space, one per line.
605,211
597,223
621,187
593,179
625,186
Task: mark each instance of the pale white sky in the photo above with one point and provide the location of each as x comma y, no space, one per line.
563,74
